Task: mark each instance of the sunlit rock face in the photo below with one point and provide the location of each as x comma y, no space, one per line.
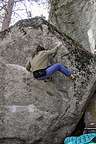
76,18
34,111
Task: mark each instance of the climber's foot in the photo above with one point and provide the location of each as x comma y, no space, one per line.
72,77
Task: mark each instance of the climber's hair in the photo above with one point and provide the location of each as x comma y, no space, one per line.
38,49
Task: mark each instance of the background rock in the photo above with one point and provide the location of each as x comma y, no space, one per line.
38,112
90,114
77,19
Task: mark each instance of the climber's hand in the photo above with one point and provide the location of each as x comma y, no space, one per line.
28,66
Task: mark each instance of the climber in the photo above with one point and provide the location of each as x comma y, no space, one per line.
39,64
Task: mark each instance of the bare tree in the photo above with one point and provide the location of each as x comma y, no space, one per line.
9,10
8,14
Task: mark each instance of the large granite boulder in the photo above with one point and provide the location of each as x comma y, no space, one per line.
90,113
77,19
39,112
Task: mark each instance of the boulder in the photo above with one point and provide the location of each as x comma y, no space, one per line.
35,111
76,19
90,113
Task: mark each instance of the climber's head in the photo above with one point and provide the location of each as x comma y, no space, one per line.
39,48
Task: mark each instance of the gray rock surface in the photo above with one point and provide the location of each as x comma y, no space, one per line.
76,18
90,113
39,112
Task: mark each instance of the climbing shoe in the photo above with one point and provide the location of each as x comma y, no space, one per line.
72,77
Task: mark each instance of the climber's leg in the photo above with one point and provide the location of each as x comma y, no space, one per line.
58,67
47,72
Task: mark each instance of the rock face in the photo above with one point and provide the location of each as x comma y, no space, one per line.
77,19
39,112
90,114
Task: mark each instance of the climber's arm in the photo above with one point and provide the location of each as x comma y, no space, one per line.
54,50
28,66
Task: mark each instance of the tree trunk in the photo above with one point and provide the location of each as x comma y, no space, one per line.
8,13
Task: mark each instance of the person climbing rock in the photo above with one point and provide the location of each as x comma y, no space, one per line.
39,64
